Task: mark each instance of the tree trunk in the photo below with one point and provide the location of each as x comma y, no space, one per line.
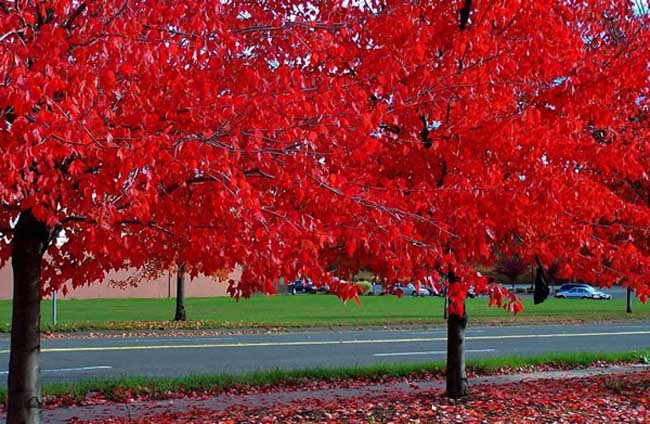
445,312
180,294
542,289
24,398
629,301
456,377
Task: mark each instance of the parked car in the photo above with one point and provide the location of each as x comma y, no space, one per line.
378,289
441,291
305,285
409,289
301,286
582,292
434,287
569,286
471,292
433,291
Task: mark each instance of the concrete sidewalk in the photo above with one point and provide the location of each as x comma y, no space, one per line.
141,409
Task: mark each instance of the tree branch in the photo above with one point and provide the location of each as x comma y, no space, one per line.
255,172
151,224
443,174
464,14
77,12
9,207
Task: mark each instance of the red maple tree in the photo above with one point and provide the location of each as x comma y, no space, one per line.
126,126
417,138
479,136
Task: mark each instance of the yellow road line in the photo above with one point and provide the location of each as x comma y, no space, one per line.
331,342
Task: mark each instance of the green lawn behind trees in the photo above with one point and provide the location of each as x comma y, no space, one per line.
309,311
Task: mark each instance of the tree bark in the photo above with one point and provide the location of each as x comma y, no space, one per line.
629,301
542,289
180,294
445,312
456,376
24,398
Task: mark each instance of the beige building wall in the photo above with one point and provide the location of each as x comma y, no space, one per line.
161,287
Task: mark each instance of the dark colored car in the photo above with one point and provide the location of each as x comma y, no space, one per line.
302,285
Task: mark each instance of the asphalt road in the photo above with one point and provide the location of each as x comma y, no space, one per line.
75,359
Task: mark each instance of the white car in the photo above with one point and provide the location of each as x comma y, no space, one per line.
410,290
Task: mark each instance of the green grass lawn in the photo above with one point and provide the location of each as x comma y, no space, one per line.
310,310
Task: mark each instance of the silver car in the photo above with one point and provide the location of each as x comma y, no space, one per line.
410,290
584,292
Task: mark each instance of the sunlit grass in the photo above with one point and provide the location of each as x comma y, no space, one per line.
309,311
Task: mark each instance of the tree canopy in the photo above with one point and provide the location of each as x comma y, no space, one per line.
413,138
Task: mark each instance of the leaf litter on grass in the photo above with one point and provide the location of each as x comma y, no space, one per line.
619,398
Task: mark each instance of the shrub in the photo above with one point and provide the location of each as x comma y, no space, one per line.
364,287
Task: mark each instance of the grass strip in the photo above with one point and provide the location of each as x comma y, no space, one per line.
307,311
117,389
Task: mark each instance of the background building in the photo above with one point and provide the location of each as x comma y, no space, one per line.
164,286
